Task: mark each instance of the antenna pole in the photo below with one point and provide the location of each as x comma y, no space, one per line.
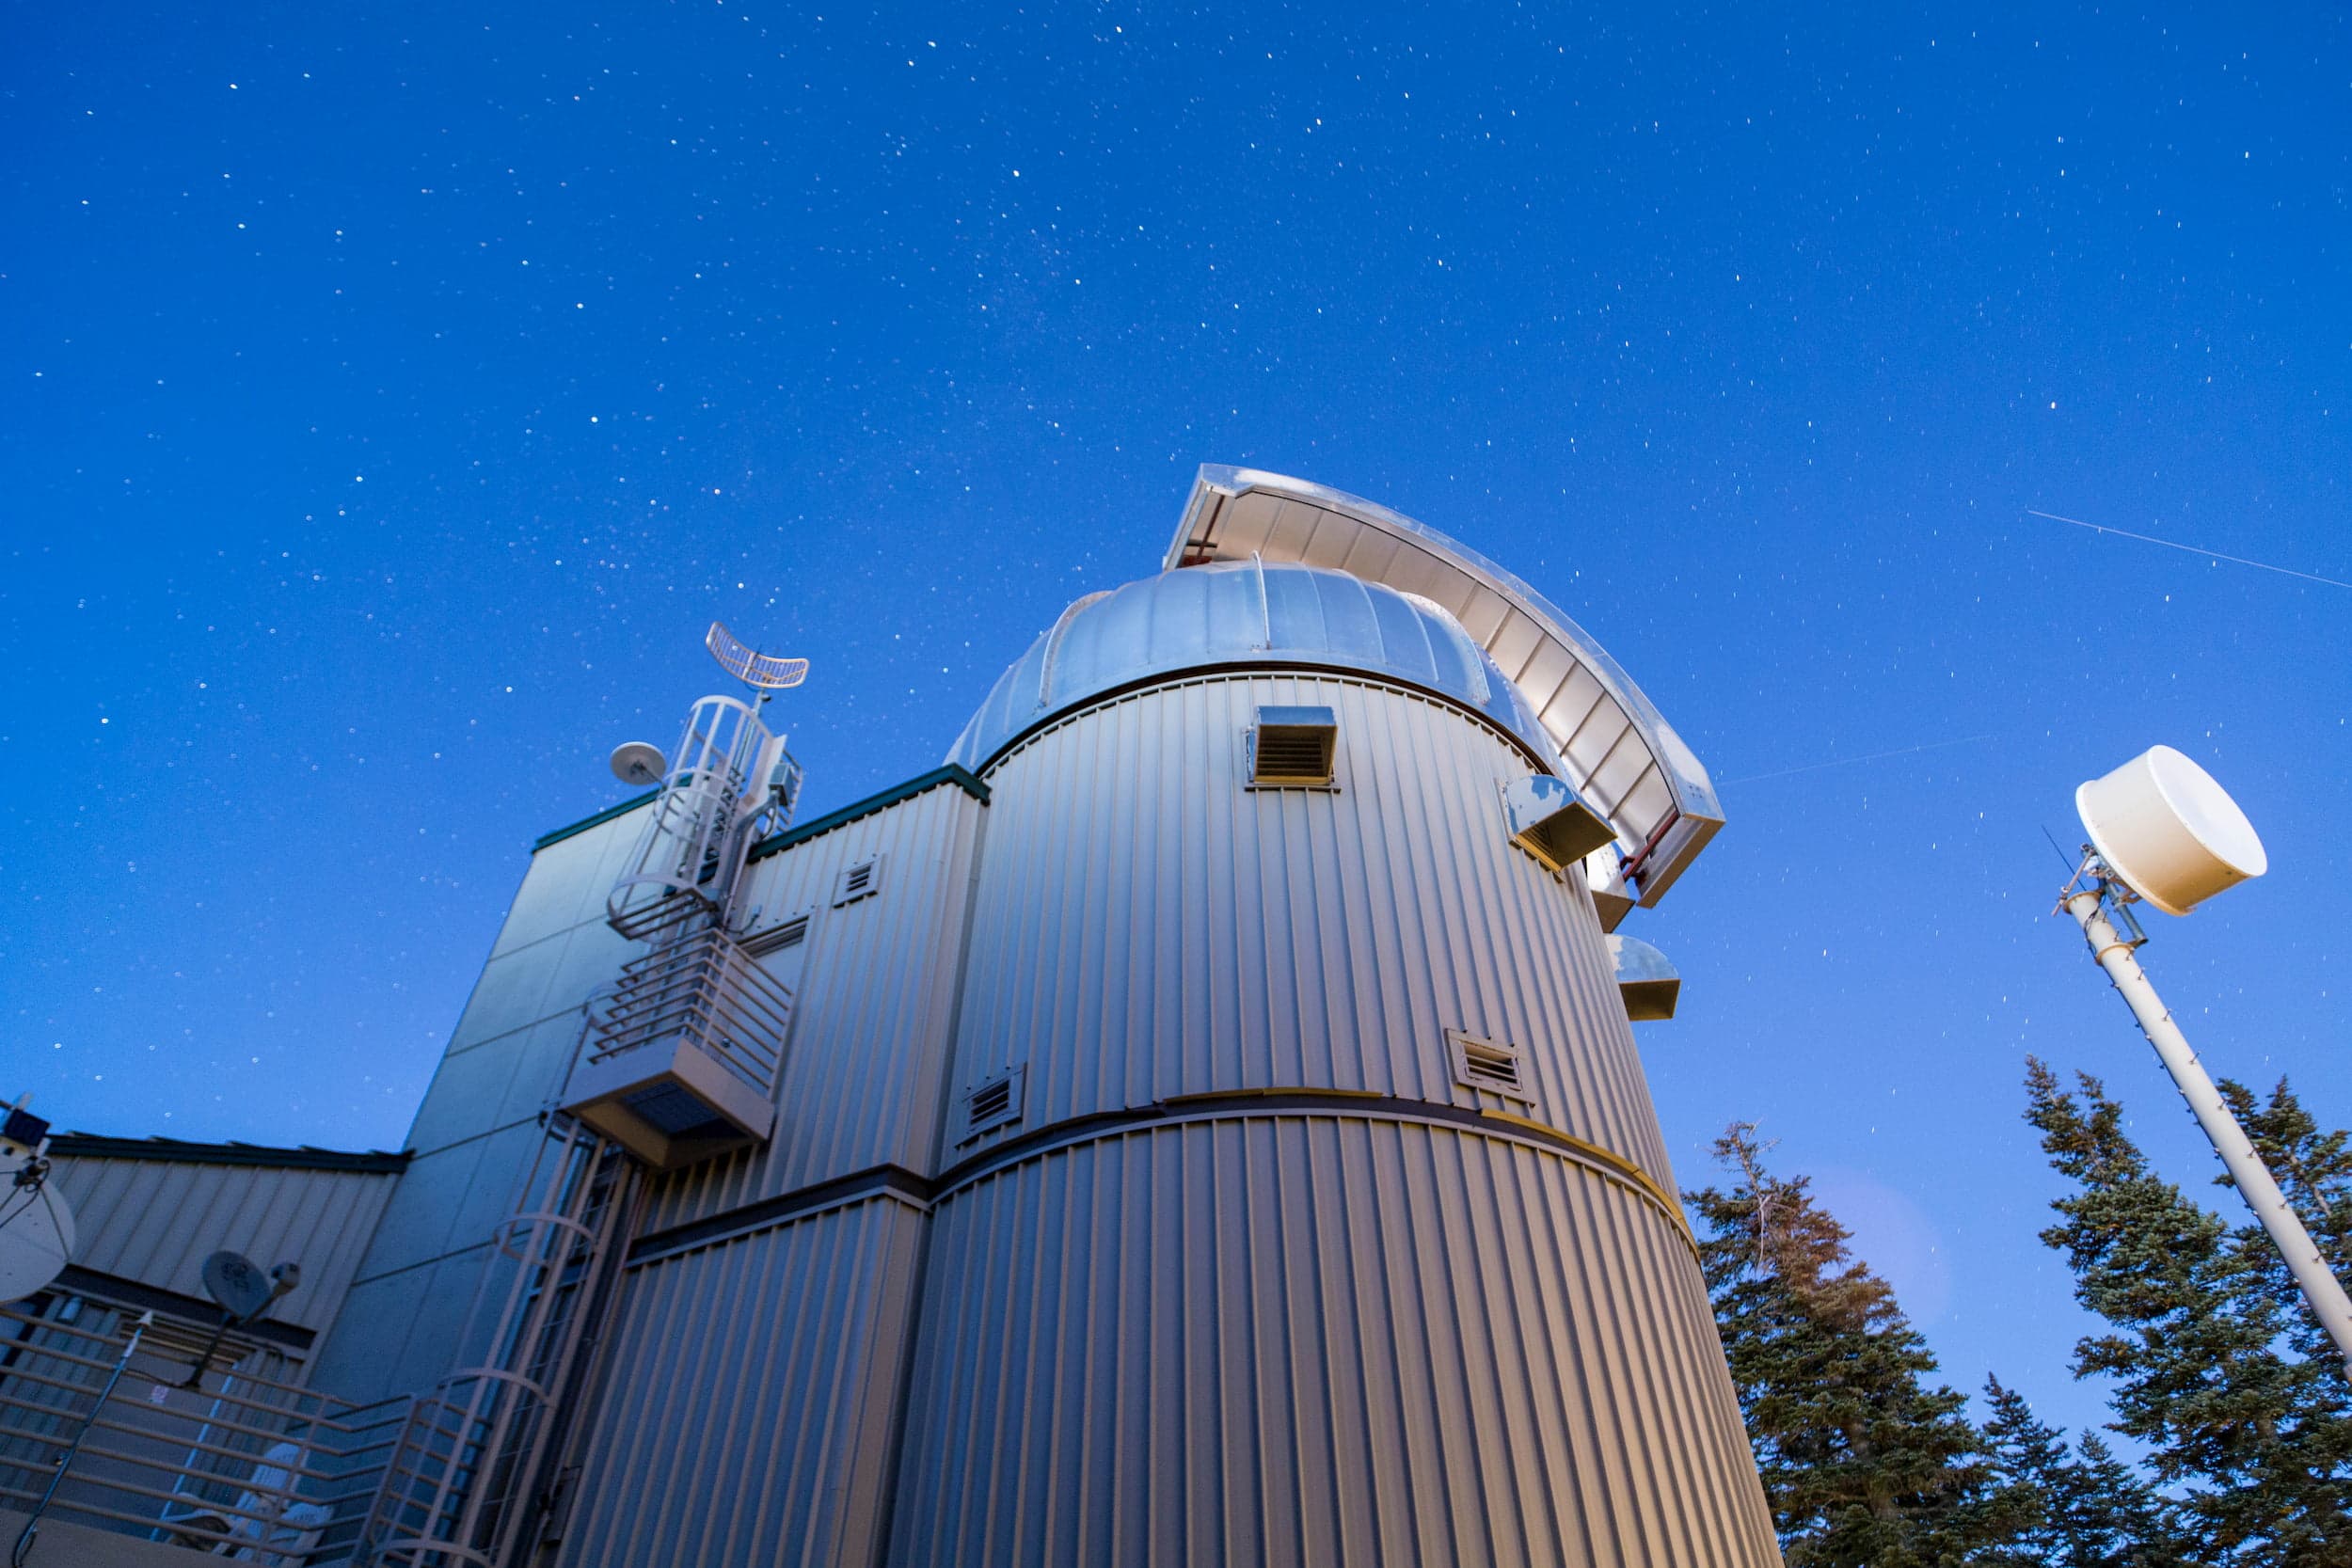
2255,1185
24,1549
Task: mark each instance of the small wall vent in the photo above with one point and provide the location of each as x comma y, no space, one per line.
778,938
862,880
993,1104
1294,747
1484,1064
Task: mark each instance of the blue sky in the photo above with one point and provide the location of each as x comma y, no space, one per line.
388,400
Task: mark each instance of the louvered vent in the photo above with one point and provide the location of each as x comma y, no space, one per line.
859,881
777,939
993,1104
1484,1064
1294,746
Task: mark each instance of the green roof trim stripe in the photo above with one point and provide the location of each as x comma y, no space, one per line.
920,783
97,1145
560,835
776,843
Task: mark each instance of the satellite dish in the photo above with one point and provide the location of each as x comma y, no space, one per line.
238,1284
637,762
36,1226
749,665
2168,832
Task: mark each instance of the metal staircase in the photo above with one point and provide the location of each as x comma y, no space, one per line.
678,1062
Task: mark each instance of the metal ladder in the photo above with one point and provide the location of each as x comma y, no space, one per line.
466,1474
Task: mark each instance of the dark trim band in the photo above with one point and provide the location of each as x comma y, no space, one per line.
777,844
78,1281
557,835
1222,1106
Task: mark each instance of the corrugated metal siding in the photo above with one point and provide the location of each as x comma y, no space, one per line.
873,997
1146,927
750,1412
1317,1340
155,1221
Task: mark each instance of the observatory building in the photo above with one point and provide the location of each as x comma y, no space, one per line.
1199,1122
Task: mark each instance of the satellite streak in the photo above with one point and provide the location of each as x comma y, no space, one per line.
1841,761
2193,549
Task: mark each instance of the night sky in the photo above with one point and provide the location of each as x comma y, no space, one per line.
389,398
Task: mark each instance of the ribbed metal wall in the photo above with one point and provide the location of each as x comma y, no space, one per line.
1317,1340
155,1221
1333,1333
751,1406
1147,927
873,998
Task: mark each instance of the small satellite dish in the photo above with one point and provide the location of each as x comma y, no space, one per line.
749,665
238,1284
35,1226
637,762
2173,835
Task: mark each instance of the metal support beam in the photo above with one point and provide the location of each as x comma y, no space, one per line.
2321,1289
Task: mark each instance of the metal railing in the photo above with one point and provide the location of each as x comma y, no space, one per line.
701,989
242,1462
721,780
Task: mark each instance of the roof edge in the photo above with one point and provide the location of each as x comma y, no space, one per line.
922,783
1663,853
99,1145
557,835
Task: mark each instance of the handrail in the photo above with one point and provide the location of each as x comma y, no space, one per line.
245,1460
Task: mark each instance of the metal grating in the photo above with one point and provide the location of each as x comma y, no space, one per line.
706,989
1294,746
777,939
859,881
993,1104
1485,1064
747,664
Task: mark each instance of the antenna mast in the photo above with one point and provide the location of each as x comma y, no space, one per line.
2162,830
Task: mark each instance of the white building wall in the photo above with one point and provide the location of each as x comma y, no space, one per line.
1254,1278
751,1403
1317,1340
1147,928
873,1002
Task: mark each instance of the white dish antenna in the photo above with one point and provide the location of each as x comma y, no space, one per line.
36,1223
765,672
639,762
2169,833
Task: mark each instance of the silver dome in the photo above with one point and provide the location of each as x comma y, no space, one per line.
1243,614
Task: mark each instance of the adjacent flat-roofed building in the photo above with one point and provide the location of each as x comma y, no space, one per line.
1199,1122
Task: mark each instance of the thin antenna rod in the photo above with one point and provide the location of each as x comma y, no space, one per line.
2064,858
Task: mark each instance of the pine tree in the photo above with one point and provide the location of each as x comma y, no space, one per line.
2064,1511
2210,1365
2314,1171
1866,1466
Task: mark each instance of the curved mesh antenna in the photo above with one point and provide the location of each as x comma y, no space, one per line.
751,666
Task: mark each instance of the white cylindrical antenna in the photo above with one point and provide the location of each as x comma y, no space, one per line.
2162,830
2170,833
